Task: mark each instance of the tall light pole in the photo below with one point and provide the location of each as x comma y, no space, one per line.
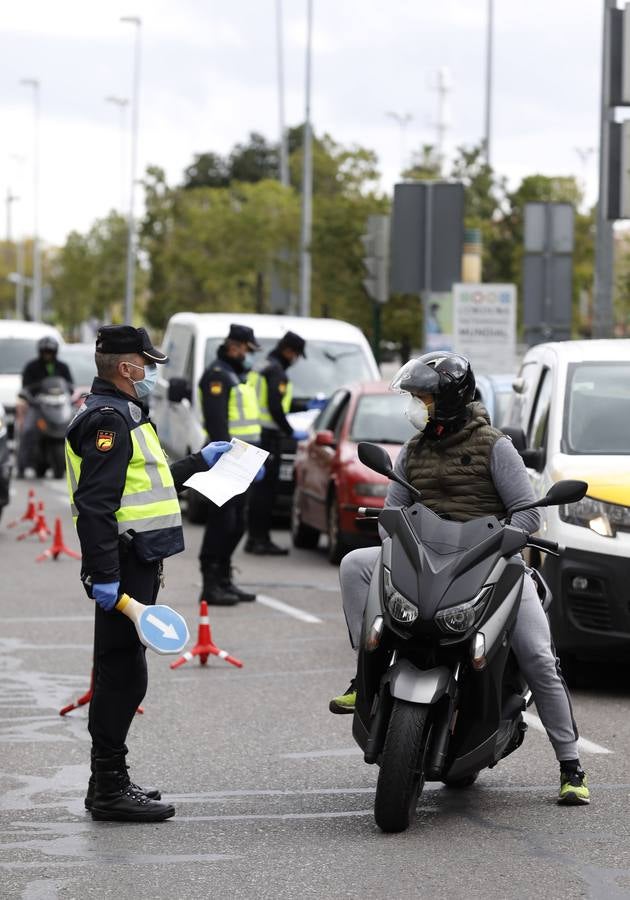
604,241
489,55
131,237
402,120
284,150
122,103
36,304
19,249
307,180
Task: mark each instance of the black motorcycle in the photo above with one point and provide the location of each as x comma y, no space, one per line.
439,693
41,444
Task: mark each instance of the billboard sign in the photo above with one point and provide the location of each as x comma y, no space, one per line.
484,326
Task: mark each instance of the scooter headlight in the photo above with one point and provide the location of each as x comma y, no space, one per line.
460,619
399,608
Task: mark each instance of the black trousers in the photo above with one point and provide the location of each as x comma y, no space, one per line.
263,493
120,668
225,526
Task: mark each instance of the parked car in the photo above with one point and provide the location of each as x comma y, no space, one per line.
570,419
5,466
496,393
330,482
336,353
80,359
18,345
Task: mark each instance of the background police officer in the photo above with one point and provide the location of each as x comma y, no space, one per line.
124,501
230,410
274,393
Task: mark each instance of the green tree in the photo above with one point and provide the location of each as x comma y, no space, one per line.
426,165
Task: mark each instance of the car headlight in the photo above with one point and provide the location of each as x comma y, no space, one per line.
399,608
604,519
461,618
370,490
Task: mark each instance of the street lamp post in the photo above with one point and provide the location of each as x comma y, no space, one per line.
131,237
122,103
36,305
488,116
307,181
284,150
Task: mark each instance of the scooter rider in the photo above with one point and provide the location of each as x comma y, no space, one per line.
466,469
45,365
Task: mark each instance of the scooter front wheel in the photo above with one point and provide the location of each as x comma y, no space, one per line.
401,776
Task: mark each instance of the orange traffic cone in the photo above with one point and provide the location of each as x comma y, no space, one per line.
40,526
205,646
31,513
58,546
85,698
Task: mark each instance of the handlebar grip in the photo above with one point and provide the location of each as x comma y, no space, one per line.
369,511
541,544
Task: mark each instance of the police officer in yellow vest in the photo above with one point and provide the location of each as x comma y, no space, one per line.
230,410
124,500
274,392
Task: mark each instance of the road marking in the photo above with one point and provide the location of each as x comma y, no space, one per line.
583,744
316,754
279,606
275,816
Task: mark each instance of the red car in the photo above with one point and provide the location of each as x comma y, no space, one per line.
330,482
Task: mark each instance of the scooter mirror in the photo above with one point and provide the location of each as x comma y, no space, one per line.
375,458
566,491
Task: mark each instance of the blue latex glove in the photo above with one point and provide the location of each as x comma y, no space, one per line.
300,435
260,474
106,595
317,403
214,450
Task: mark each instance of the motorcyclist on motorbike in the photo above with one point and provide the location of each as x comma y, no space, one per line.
45,365
466,469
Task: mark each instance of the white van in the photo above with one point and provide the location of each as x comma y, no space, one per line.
18,345
571,416
336,353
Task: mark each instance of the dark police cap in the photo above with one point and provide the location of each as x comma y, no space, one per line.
127,339
244,335
294,342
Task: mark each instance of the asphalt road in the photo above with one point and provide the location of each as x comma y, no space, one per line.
273,799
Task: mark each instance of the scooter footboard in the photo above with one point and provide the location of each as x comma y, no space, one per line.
406,682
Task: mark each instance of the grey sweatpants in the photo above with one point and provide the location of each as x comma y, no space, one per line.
531,642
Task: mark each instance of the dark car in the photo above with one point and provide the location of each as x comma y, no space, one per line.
5,467
330,482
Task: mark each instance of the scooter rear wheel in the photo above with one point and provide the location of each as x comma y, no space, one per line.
401,776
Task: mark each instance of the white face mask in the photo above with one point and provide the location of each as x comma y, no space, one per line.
417,412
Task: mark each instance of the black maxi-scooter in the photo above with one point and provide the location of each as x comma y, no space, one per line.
439,693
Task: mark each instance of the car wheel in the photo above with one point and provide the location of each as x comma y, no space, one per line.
304,537
337,547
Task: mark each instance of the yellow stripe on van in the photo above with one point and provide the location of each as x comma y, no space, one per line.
613,487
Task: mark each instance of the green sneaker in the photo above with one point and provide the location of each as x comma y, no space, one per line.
574,789
344,703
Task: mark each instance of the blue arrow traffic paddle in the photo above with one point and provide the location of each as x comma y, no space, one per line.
159,627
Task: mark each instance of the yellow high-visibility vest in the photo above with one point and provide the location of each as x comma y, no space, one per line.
259,383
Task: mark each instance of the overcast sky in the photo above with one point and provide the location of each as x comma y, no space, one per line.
209,78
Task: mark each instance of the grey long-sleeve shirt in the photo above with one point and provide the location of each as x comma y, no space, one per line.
508,474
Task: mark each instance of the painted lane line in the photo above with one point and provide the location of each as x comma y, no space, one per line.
281,817
583,744
279,606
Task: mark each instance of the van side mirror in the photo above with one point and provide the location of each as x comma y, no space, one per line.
179,389
517,436
534,459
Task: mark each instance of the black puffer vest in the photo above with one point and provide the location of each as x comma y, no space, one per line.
453,472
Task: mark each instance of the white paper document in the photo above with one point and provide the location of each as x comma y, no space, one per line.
231,474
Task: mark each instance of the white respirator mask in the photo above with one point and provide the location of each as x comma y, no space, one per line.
417,412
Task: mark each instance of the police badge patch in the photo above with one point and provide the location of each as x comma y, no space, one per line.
135,412
105,440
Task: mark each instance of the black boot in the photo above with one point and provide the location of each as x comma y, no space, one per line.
215,591
151,793
226,571
116,799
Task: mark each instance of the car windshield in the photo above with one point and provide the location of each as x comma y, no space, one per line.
597,419
380,418
80,361
327,366
15,353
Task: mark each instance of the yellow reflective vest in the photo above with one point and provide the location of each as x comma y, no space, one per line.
259,383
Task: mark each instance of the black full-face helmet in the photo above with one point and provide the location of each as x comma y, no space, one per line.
446,376
47,345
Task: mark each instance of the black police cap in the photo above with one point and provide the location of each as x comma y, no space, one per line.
294,342
127,339
244,335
